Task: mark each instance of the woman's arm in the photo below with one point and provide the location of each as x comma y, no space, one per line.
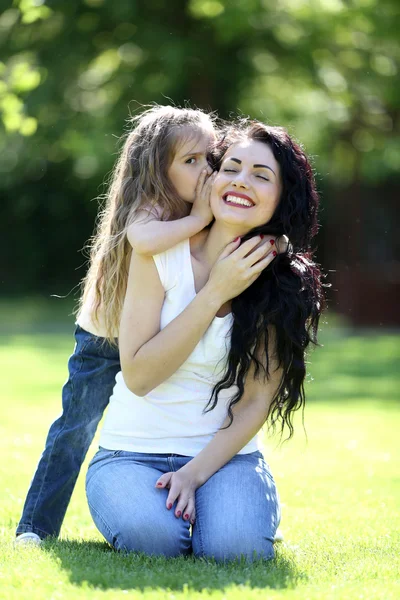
249,415
150,355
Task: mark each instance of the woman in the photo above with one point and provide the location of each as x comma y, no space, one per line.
212,320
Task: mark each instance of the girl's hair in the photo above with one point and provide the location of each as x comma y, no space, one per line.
280,311
138,181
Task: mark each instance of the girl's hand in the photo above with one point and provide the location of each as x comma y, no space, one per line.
201,206
182,487
239,266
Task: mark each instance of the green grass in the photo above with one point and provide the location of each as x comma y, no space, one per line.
340,487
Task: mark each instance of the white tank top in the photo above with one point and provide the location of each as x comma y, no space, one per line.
170,418
85,318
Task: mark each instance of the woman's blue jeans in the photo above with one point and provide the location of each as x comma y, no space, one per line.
237,509
91,377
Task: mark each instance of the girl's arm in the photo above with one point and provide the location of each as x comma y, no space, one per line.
150,236
150,355
249,415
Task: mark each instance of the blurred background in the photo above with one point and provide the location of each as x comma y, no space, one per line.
72,71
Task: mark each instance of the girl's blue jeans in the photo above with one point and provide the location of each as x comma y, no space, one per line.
92,369
237,509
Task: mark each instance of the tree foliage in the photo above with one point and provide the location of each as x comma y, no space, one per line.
72,71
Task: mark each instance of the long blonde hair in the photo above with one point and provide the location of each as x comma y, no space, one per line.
139,179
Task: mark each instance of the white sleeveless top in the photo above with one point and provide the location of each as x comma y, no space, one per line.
170,418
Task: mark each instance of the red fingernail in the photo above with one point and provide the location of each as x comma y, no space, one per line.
186,517
192,521
236,239
272,242
262,236
159,484
178,514
274,253
169,506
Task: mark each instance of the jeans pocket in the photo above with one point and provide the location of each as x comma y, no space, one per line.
108,453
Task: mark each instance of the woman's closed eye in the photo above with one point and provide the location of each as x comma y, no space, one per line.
262,177
230,170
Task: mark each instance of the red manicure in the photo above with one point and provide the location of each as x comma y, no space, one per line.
272,242
274,253
262,236
178,514
159,484
236,239
169,506
186,516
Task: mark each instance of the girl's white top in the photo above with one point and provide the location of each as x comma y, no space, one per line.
86,320
171,418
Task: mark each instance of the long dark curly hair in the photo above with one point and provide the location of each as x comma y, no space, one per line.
288,296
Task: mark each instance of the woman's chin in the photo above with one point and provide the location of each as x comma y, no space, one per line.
235,218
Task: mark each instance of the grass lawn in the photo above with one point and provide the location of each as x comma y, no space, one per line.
340,487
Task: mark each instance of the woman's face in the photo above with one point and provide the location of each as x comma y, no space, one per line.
247,188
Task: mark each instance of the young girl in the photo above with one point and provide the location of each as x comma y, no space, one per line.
158,196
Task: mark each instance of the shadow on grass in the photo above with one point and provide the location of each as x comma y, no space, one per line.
97,565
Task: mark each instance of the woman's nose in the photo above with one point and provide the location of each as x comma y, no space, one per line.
240,183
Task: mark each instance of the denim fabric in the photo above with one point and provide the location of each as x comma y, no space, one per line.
237,509
92,369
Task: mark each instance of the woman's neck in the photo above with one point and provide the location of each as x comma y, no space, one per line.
209,244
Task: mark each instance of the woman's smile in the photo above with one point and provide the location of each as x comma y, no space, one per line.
238,200
247,188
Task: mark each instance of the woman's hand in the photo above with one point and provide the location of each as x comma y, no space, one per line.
201,208
239,266
182,487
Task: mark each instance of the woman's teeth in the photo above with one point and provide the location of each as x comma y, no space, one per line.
237,200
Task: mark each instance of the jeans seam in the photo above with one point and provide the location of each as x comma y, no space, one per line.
200,535
70,379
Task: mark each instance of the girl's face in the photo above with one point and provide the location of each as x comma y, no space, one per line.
247,188
189,161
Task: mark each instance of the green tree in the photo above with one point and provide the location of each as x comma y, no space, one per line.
72,70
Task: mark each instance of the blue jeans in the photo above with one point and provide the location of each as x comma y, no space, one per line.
237,509
92,369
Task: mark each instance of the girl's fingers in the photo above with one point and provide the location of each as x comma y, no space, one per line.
200,181
211,178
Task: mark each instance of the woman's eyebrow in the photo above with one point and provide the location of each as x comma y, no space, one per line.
263,167
239,162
